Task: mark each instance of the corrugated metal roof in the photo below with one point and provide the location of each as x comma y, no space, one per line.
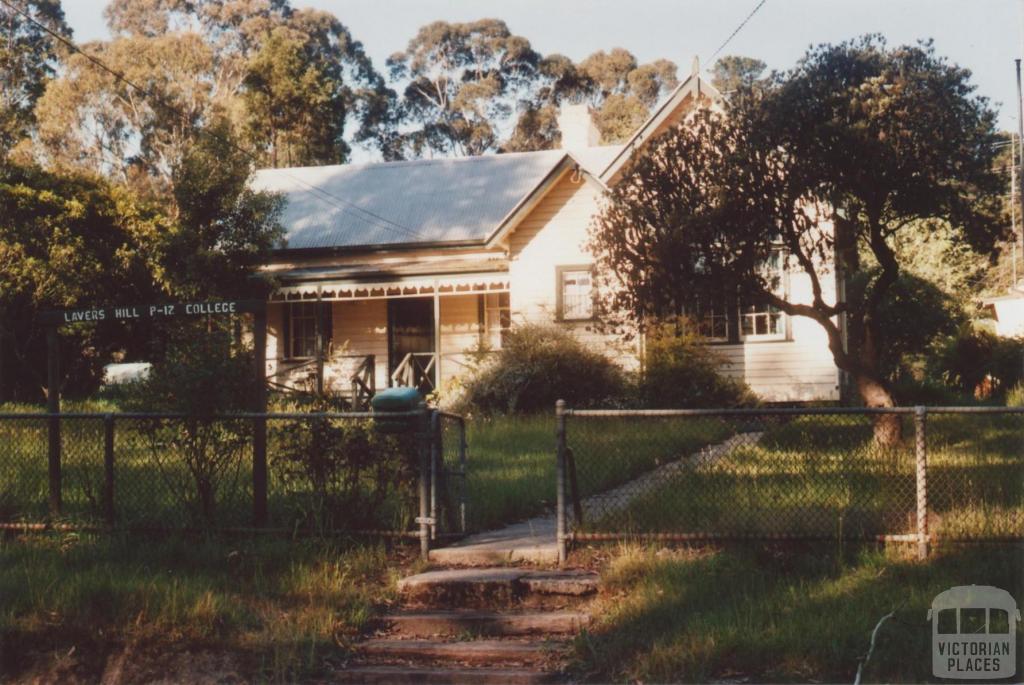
421,201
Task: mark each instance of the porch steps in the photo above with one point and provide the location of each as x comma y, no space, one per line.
476,625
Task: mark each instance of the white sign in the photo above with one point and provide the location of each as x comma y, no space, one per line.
974,633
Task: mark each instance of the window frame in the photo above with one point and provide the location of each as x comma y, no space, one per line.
560,272
291,309
785,333
499,314
725,305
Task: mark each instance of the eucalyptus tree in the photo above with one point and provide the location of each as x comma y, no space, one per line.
462,81
28,58
279,76
734,73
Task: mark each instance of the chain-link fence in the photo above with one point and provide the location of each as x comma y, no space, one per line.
324,473
906,474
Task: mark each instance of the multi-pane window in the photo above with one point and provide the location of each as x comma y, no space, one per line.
302,329
713,320
762,320
577,294
497,319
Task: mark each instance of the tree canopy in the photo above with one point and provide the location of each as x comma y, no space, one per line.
823,167
28,56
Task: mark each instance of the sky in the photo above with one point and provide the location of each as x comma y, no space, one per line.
984,36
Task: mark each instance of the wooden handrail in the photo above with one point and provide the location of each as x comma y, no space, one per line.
412,373
364,382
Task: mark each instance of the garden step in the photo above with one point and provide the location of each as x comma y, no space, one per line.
475,587
402,675
473,651
427,623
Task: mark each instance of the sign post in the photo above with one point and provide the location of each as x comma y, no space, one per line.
53,408
53,319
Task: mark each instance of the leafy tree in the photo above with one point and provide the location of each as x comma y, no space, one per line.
828,165
462,81
28,56
67,241
223,229
90,119
734,73
916,314
558,78
308,79
623,91
283,78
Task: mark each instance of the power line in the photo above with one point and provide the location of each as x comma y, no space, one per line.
325,195
738,29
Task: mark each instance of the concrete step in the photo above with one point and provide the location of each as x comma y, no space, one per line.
489,652
405,675
492,587
428,623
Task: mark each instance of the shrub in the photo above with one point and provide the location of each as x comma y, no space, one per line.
538,365
1015,397
682,371
201,372
341,473
978,362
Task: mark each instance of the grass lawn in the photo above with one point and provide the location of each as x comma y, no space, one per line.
181,609
512,461
824,475
811,475
777,614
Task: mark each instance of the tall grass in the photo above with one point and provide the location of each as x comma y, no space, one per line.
776,615
282,605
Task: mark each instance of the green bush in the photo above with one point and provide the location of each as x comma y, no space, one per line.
336,474
201,372
682,371
538,365
978,362
1015,397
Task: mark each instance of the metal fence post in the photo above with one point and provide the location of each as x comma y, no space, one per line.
435,453
259,427
463,446
423,447
108,468
560,527
921,461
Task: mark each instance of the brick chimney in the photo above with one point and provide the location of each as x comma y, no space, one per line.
577,127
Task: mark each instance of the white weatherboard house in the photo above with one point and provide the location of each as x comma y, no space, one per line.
416,263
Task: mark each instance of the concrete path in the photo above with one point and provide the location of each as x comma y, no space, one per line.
533,541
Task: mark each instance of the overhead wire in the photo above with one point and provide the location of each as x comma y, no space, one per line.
737,30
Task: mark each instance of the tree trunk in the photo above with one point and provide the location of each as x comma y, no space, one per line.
888,427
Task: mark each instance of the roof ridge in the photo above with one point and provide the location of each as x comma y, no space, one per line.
415,162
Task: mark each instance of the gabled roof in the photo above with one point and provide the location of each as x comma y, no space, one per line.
411,203
692,87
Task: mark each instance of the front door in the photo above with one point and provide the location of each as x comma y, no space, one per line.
411,331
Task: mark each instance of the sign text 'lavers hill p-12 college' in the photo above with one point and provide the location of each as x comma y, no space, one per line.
151,311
